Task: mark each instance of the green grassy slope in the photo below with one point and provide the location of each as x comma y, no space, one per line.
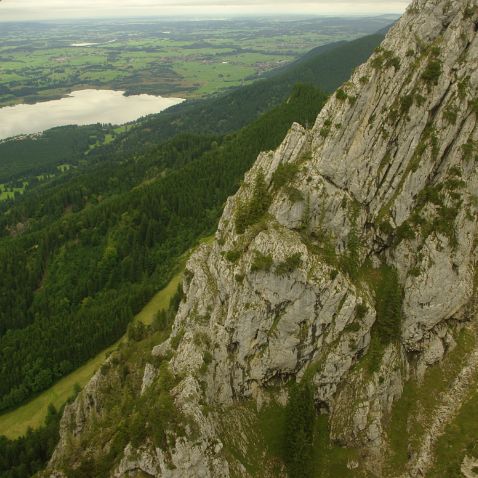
33,413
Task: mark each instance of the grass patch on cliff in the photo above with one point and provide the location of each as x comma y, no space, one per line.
460,440
291,438
411,414
331,460
447,200
385,59
261,262
398,430
299,438
322,244
289,265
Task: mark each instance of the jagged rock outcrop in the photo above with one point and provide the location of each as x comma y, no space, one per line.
346,259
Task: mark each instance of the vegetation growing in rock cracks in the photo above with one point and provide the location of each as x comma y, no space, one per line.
261,262
284,174
290,264
432,72
251,211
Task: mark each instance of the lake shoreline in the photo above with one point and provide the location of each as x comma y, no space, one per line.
66,92
80,107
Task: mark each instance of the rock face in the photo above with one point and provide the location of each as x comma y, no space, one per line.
347,259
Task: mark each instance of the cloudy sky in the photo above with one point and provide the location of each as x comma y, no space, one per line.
53,9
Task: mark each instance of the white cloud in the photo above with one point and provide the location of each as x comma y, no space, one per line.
30,9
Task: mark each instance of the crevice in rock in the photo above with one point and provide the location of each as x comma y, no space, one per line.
336,186
439,165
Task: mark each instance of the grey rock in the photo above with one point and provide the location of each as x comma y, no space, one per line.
149,376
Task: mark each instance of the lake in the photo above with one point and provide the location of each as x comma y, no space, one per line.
80,108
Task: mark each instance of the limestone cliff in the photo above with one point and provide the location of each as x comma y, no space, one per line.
346,260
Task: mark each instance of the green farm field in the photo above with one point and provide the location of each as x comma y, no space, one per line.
190,59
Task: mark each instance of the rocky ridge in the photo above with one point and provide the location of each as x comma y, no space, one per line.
347,259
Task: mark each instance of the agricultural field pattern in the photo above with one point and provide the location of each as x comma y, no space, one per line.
188,59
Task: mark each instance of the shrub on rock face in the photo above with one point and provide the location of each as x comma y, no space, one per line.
233,256
284,174
292,263
341,95
294,195
250,212
406,103
261,262
361,311
432,72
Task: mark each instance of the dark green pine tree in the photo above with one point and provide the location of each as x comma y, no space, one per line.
299,436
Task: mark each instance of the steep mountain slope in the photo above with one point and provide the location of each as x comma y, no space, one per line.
342,279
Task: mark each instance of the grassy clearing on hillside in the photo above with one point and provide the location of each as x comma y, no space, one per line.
159,302
8,192
32,414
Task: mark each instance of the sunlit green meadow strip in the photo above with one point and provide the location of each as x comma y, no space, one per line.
32,415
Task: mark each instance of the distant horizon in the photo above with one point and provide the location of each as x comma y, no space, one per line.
149,18
60,10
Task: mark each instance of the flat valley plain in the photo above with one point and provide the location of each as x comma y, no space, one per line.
189,59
